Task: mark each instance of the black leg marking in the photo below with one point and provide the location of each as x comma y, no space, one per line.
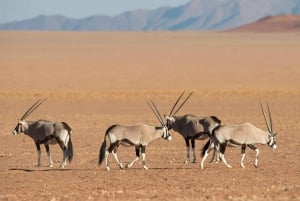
38,147
251,146
137,151
193,142
243,148
187,141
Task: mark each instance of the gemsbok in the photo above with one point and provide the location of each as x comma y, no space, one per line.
191,127
244,134
139,135
46,132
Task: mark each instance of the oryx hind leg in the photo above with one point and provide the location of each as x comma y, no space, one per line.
206,152
222,149
50,162
111,148
114,152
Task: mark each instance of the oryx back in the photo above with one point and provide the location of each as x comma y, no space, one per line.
245,133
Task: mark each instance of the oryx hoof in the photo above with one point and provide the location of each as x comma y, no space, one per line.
242,166
128,165
145,167
51,165
194,161
121,166
187,161
38,165
107,169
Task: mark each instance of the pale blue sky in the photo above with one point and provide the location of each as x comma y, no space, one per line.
11,10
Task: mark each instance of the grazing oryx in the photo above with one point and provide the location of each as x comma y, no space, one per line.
139,135
244,134
191,127
46,132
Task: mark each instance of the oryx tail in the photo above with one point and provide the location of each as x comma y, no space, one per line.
70,144
103,146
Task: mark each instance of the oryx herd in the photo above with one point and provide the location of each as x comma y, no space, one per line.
190,127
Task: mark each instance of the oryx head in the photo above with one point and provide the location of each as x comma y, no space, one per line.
165,131
22,125
271,134
170,118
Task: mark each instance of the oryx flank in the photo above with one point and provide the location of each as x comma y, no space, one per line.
191,127
139,135
244,134
46,132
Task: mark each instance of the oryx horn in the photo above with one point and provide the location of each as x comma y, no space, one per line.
32,108
183,103
176,103
268,126
155,111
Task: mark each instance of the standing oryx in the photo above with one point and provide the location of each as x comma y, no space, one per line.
244,134
46,132
191,127
139,135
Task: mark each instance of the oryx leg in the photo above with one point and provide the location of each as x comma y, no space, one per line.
114,152
50,162
215,157
64,150
144,157
193,149
38,147
107,152
187,142
222,149
137,153
210,147
243,155
251,146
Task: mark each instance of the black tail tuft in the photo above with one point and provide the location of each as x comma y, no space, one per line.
216,119
70,150
102,152
205,147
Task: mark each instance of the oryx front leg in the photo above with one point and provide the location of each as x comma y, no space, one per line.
243,155
194,151
50,162
137,153
144,157
251,146
187,142
39,154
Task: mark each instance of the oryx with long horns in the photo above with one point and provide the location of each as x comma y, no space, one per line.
139,135
245,134
191,127
46,132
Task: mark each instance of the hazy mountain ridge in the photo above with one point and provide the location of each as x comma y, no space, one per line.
195,15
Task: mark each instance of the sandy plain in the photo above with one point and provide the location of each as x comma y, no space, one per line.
96,79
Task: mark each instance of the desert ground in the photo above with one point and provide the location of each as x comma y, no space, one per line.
97,79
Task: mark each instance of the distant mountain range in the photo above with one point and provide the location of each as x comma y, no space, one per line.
195,15
282,23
